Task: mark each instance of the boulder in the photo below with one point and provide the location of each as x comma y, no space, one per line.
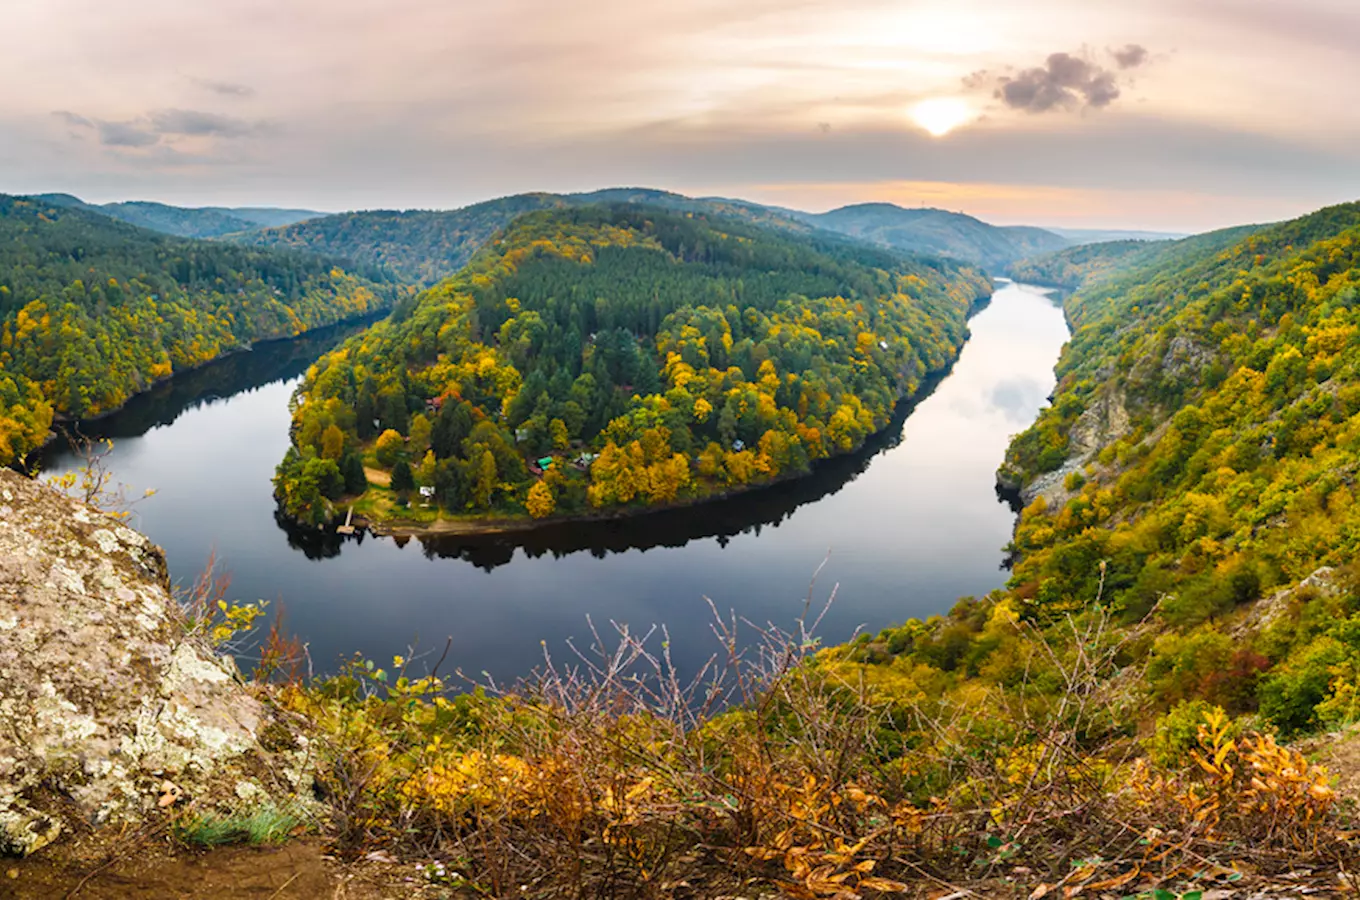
107,702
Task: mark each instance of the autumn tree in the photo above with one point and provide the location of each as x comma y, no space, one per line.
540,502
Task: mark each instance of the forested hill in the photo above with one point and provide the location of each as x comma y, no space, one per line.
93,310
1079,266
426,246
1202,451
693,355
939,233
180,221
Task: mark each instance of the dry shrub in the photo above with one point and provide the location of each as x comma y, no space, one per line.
610,777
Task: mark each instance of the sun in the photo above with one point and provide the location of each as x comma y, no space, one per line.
941,115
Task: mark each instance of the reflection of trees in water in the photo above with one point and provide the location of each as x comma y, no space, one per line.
747,512
266,364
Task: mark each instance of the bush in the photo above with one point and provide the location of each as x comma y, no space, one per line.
1177,731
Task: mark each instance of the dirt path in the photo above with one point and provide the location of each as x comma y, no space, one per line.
298,870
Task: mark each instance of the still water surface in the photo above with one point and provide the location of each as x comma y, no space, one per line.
911,523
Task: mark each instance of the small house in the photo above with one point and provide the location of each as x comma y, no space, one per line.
545,463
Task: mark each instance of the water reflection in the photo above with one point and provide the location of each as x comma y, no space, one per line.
912,522
745,513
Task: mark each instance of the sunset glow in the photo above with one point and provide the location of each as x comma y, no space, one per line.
941,115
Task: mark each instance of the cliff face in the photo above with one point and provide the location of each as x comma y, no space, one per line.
104,696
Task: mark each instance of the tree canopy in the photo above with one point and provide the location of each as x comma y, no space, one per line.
648,356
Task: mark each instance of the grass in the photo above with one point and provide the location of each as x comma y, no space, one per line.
267,824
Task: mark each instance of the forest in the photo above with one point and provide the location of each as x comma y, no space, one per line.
1236,360
93,311
615,356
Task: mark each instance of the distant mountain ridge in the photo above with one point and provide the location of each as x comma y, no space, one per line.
180,221
428,245
938,233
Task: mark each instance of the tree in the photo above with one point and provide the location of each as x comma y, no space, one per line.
484,481
421,430
352,470
402,479
540,502
332,442
390,447
557,431
426,471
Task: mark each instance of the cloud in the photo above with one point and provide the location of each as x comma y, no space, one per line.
150,129
73,119
1064,82
1131,56
126,134
224,88
199,124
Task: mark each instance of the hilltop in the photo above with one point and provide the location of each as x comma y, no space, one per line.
426,246
180,221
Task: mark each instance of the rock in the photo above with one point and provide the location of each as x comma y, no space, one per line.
104,696
1105,421
1264,612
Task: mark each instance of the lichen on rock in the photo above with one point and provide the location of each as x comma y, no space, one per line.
104,693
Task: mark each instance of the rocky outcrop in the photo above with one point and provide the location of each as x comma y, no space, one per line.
107,703
1105,421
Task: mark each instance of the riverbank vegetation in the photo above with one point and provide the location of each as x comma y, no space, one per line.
1149,705
607,357
93,311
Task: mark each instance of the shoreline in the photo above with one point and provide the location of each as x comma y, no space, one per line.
61,423
471,526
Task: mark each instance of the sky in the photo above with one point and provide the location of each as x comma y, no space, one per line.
1178,115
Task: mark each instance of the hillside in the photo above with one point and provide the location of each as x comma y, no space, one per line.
425,246
93,310
694,356
938,233
194,222
1085,264
1200,454
1107,235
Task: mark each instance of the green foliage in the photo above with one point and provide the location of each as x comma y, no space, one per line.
691,356
1178,731
259,826
93,311
940,233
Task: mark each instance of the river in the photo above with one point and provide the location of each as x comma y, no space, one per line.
910,523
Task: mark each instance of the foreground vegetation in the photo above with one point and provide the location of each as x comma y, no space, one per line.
93,311
640,358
